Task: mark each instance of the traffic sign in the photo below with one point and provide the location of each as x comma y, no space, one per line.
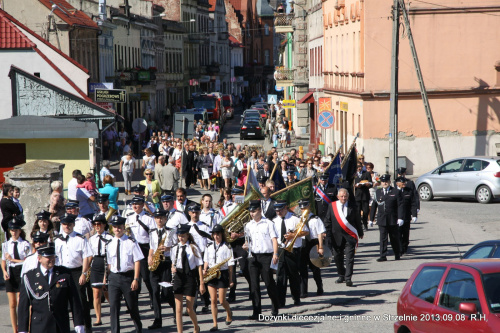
111,95
278,88
272,99
326,119
288,103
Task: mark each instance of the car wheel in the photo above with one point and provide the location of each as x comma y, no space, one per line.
425,192
483,194
241,137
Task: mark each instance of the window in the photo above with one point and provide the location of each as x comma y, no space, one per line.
459,287
481,252
267,57
475,165
453,166
266,29
427,282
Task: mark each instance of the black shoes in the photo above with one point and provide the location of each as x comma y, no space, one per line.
381,259
274,313
320,292
156,324
398,258
348,283
296,303
214,329
228,322
340,280
305,295
205,309
231,299
253,317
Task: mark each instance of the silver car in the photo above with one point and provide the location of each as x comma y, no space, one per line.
477,176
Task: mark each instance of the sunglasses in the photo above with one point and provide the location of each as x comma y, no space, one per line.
316,160
96,223
149,174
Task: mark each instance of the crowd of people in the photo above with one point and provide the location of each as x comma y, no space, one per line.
84,250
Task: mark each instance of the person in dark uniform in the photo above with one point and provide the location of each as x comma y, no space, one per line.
73,252
362,185
141,223
389,202
14,252
410,185
216,253
31,261
315,238
45,294
410,212
187,268
124,264
99,243
267,204
344,229
324,195
286,224
263,246
238,251
262,181
160,274
290,177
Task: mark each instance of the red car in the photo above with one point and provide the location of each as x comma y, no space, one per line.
456,296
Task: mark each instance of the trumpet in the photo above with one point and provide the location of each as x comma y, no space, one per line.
248,241
303,220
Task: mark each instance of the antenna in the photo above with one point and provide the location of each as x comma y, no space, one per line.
459,253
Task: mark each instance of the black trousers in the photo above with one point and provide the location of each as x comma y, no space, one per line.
190,177
238,252
259,267
288,269
393,232
364,206
404,232
145,271
119,284
82,291
345,248
305,265
162,274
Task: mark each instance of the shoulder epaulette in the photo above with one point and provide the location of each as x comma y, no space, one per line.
79,235
147,214
29,255
59,236
130,214
132,239
151,230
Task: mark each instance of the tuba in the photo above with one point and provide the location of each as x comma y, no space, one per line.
111,212
239,217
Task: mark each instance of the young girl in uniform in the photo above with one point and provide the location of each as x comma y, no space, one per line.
14,251
187,265
216,253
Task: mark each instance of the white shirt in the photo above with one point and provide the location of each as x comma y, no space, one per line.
23,248
261,234
154,239
83,226
211,134
130,252
71,253
47,271
176,218
104,239
199,239
215,254
291,223
227,208
180,206
72,189
176,154
217,162
316,227
31,262
138,232
207,217
194,260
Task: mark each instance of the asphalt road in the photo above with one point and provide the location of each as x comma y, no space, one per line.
365,307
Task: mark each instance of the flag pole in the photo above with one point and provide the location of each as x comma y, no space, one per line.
274,170
288,188
248,177
334,157
349,151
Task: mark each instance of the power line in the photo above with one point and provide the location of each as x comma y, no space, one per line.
457,8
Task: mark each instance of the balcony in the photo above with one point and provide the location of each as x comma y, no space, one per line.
197,37
283,22
284,77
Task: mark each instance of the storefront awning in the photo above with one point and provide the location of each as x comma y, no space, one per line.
308,98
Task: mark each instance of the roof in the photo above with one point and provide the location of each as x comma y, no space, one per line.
307,99
234,42
70,14
485,266
6,16
35,127
11,37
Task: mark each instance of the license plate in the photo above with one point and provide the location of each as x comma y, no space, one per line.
251,133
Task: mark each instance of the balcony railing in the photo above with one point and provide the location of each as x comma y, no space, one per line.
283,22
284,77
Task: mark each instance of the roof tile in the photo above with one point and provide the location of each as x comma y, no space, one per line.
11,37
70,14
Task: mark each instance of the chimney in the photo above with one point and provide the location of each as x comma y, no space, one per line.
102,10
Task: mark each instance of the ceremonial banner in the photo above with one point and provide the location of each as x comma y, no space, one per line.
335,171
295,192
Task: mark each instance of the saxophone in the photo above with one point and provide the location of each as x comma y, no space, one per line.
214,272
159,256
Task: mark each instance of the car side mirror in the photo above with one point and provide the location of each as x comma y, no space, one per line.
439,171
467,308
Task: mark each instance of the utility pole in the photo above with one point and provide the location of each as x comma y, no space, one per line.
423,91
393,115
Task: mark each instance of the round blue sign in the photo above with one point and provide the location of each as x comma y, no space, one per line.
326,119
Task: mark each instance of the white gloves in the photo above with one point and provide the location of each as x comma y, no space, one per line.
414,219
370,223
400,222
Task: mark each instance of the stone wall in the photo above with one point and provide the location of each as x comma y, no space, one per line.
34,179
